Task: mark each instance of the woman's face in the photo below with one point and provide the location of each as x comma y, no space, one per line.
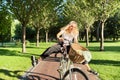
71,27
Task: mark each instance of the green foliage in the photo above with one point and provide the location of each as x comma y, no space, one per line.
112,29
30,33
18,43
80,11
5,24
44,14
105,8
21,9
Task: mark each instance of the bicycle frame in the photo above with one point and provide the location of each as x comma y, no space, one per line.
65,63
66,66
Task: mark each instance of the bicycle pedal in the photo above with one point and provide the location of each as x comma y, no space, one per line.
33,60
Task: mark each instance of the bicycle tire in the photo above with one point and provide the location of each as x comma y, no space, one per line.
82,75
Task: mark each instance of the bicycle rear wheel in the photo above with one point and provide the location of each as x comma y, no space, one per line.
75,74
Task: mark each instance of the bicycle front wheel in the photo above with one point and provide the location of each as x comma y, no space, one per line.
75,74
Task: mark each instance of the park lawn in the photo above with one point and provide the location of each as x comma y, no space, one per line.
13,63
107,62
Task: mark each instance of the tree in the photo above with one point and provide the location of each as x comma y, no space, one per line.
81,11
48,21
103,10
44,16
49,14
22,9
36,19
5,24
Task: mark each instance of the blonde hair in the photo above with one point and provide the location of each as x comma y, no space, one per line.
75,28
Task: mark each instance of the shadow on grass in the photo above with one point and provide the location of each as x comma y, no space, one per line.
6,52
106,62
10,73
106,48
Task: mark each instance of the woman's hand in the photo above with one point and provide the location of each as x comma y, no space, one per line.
60,39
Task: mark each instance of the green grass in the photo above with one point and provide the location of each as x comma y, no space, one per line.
13,63
107,62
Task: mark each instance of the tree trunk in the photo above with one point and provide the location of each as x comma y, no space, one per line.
37,38
2,40
102,37
46,36
91,36
87,37
23,38
98,29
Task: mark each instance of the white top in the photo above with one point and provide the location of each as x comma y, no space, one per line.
68,37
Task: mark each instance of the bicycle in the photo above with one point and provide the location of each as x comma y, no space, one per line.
67,71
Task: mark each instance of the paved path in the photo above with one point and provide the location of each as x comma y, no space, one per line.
47,70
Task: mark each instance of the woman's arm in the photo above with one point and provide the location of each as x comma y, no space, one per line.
76,39
59,34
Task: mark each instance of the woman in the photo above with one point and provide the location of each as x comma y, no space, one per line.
68,34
